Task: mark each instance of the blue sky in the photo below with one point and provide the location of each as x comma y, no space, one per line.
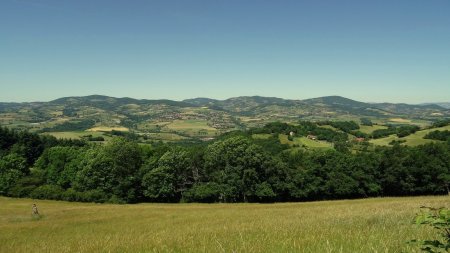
376,51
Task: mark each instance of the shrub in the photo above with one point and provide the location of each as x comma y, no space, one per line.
47,192
97,196
439,219
71,195
25,186
203,192
264,192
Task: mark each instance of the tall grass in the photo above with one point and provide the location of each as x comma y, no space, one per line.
370,225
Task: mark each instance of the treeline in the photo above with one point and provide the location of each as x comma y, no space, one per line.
400,131
71,126
304,128
234,168
438,135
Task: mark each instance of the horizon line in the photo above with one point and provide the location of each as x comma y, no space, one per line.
182,100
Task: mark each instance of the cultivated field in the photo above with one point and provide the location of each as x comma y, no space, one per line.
370,225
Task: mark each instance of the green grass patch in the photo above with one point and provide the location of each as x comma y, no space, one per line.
303,141
261,136
384,141
284,139
370,129
330,127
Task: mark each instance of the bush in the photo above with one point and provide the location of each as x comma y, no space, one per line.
26,185
264,192
203,192
89,196
47,192
366,122
439,219
438,135
407,130
97,196
115,200
71,195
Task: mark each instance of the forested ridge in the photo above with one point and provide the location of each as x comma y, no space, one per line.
233,168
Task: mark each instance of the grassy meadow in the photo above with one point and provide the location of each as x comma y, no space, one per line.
369,225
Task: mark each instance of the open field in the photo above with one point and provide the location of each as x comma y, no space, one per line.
192,127
370,129
411,140
369,225
262,136
399,120
108,129
165,136
312,143
384,141
189,124
303,141
417,138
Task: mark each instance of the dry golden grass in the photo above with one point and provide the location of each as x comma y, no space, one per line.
108,129
399,120
370,225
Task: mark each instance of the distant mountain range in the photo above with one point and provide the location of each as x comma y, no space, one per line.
257,105
145,115
441,104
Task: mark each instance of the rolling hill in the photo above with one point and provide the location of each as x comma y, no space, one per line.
201,117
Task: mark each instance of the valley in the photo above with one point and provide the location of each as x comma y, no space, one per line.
203,119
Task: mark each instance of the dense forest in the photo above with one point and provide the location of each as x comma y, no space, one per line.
233,168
